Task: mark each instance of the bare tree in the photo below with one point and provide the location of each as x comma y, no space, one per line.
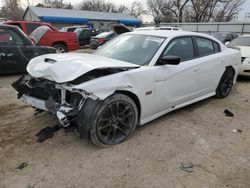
155,9
12,10
175,9
55,4
136,9
229,9
194,10
93,5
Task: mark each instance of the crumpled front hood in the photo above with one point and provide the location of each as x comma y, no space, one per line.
245,51
69,66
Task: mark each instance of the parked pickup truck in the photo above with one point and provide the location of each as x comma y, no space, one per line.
62,41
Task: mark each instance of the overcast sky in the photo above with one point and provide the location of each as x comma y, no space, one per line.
245,7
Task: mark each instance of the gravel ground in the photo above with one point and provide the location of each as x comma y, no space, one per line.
199,134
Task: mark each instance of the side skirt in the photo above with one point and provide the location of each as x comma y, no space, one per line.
148,119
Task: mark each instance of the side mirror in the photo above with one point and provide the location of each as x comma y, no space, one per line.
227,43
169,60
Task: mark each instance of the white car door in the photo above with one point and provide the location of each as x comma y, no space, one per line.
211,65
176,84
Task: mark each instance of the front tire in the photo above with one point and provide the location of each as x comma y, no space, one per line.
113,120
226,83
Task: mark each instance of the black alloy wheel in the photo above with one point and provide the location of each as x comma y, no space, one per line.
114,121
226,83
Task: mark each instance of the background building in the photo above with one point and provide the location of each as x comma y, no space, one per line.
67,17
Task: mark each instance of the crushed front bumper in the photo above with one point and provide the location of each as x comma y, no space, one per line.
45,95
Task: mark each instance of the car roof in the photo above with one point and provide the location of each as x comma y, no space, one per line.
169,33
222,33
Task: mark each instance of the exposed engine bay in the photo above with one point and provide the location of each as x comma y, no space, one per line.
60,100
45,95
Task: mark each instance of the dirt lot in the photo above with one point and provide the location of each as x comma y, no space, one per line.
200,134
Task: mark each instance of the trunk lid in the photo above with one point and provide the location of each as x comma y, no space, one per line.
245,51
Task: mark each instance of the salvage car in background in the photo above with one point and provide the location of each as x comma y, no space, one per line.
62,41
101,39
84,35
225,37
16,50
133,79
243,42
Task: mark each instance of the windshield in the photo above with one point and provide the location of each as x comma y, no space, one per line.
132,48
220,37
39,32
241,41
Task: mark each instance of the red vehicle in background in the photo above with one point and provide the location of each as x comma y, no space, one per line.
45,34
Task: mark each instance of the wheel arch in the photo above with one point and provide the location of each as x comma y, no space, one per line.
235,75
231,68
134,97
62,43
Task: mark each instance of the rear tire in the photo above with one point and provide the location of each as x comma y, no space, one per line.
60,48
113,121
226,83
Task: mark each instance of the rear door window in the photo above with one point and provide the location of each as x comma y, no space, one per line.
216,47
204,46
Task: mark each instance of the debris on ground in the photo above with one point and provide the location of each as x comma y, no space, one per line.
21,166
236,131
187,167
228,113
47,133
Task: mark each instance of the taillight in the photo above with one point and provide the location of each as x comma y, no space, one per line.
101,40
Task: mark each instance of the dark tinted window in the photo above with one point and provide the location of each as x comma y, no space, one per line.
16,24
31,27
10,37
235,35
86,33
72,29
205,46
181,47
216,47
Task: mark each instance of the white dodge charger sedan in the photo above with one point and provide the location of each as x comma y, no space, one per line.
130,81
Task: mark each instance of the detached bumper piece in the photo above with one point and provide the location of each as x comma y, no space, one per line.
48,96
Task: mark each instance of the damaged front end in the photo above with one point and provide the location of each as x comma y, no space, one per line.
58,99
